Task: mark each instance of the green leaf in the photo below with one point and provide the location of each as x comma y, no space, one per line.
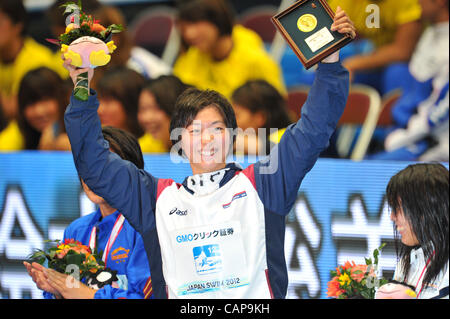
56,241
366,294
52,254
74,258
70,7
377,251
38,256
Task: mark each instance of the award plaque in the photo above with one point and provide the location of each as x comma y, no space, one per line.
306,27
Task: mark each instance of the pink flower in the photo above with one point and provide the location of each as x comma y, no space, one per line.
68,245
358,272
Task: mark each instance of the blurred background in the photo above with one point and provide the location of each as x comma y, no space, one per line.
396,114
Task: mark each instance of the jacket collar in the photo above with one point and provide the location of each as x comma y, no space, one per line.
207,183
98,220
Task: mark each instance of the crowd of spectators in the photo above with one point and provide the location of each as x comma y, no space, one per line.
402,46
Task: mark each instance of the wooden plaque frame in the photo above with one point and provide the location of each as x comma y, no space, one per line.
296,38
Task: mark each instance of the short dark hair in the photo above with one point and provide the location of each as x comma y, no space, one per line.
218,12
16,11
422,190
38,85
124,85
261,96
192,101
166,89
124,144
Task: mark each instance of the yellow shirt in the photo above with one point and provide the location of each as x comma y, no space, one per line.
33,55
392,14
151,145
11,139
247,61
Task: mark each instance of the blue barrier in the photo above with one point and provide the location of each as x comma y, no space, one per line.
340,214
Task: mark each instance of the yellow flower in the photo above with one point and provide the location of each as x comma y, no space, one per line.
70,27
62,247
344,279
111,46
64,48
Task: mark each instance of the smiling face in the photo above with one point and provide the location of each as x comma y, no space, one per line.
404,227
42,114
112,113
151,117
206,141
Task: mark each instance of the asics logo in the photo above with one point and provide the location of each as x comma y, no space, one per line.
178,212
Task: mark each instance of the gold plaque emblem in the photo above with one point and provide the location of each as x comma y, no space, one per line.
307,22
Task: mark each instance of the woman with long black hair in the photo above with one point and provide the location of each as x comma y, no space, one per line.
418,197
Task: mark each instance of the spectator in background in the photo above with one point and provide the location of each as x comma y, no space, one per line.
19,54
429,68
118,92
42,100
257,104
3,121
421,115
394,39
220,55
10,137
156,104
419,203
126,54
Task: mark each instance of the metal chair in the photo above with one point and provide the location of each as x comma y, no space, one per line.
362,111
387,102
154,29
258,19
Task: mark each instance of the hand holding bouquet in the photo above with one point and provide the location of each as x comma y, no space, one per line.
69,263
86,44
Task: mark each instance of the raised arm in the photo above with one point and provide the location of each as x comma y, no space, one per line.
131,190
278,178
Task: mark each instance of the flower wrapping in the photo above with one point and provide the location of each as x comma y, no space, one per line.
87,43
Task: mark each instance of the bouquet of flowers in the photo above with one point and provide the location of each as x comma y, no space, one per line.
87,43
69,255
352,281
